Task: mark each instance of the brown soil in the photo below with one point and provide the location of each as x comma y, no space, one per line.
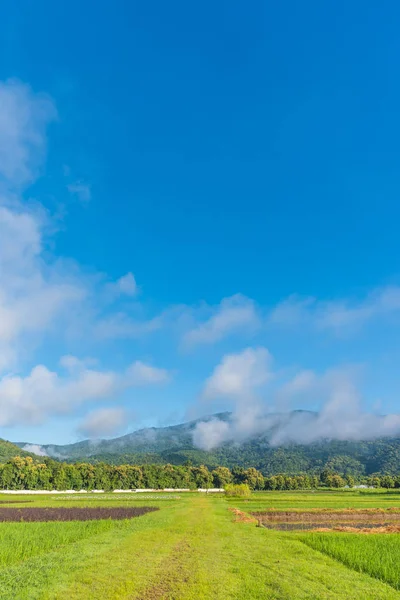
242,517
348,520
353,516
71,514
333,511
15,501
366,530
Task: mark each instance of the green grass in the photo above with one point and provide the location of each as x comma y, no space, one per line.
318,500
191,549
21,541
374,554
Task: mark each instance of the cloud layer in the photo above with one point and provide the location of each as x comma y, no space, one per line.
339,316
24,118
340,415
233,315
104,422
43,393
45,300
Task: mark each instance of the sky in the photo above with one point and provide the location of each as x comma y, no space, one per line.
199,210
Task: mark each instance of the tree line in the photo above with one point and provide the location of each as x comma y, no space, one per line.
25,473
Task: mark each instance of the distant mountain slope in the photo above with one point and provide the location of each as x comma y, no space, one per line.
9,450
152,440
174,445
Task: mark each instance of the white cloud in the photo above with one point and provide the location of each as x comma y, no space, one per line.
239,375
378,303
141,374
192,325
211,434
244,424
340,316
81,190
103,422
35,449
33,294
340,417
33,399
292,311
42,393
120,325
233,315
71,363
127,285
41,296
238,379
24,117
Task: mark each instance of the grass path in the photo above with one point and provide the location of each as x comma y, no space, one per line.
189,550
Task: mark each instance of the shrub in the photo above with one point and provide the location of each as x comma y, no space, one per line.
241,490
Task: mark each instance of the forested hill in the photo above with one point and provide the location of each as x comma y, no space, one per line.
149,441
174,445
9,450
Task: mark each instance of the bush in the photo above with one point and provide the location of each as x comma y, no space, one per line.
241,490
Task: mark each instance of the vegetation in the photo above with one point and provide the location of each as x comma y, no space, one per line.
174,445
193,547
34,514
237,490
27,473
9,450
376,555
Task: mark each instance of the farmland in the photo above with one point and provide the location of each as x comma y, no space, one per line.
194,547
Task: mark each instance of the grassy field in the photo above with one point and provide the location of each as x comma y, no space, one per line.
376,555
192,548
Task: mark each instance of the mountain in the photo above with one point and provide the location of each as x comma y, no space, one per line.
174,444
152,440
9,450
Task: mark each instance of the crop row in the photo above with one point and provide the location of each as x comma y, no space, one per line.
72,514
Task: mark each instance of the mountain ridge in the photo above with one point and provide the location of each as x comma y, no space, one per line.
174,445
146,439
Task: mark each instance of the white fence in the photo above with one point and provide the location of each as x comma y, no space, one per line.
21,492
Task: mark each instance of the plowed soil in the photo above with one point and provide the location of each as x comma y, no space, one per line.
71,514
355,516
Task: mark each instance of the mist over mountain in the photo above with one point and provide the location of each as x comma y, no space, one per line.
176,445
152,440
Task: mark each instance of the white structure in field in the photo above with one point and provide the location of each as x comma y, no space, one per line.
22,492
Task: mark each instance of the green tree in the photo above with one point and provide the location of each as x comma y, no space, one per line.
387,481
254,479
221,477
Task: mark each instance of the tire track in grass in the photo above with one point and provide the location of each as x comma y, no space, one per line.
172,573
130,566
193,551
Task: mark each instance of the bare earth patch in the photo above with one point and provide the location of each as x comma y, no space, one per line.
351,521
242,517
328,516
368,530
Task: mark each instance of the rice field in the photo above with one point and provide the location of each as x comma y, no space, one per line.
376,555
193,547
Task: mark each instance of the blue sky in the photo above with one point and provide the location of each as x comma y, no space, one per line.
182,184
